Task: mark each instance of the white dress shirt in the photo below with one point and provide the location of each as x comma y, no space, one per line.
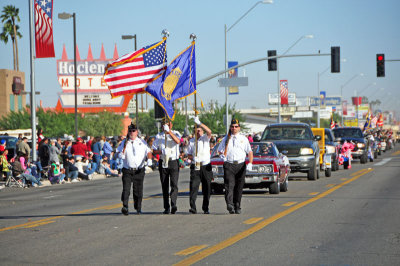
169,151
135,153
203,149
238,148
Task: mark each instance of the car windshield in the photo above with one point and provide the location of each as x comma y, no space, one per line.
328,136
10,142
276,133
263,149
348,133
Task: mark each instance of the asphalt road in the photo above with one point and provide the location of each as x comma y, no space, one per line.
351,218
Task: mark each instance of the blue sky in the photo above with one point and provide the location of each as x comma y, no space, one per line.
362,28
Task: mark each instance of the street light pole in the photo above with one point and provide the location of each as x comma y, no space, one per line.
341,90
68,16
225,32
277,71
128,37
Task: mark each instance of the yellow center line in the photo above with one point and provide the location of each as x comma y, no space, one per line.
232,240
290,203
253,220
330,185
359,172
190,250
313,193
42,221
343,179
396,153
38,224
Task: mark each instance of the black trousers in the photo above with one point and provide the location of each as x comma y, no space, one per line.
204,175
234,178
169,177
134,178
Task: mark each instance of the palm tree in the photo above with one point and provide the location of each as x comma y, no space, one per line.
10,14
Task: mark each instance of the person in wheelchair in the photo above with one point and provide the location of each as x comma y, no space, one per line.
20,171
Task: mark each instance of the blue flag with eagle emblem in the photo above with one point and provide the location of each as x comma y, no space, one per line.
178,82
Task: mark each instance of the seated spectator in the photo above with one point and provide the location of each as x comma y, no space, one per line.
20,172
81,166
105,168
56,175
4,165
71,171
107,148
116,163
79,148
91,165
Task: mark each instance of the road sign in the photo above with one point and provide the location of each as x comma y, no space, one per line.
233,82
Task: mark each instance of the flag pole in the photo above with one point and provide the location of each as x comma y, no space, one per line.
193,37
33,93
165,34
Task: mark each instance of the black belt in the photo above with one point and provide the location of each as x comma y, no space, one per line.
132,169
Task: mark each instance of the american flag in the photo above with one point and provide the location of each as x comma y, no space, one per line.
44,28
131,73
284,92
374,119
333,124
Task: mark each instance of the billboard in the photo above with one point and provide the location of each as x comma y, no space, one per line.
273,98
329,101
93,94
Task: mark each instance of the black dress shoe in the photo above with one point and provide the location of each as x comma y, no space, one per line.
230,209
139,212
125,211
193,211
174,209
238,211
206,212
166,211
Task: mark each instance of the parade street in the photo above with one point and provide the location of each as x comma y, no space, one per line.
351,218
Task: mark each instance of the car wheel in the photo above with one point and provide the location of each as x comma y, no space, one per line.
312,173
218,189
285,185
274,188
328,172
364,159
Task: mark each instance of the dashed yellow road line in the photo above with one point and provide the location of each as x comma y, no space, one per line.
330,185
290,203
395,153
359,172
190,250
343,179
257,227
44,221
313,193
253,220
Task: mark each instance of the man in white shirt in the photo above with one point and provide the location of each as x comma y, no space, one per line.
167,145
134,152
233,150
200,170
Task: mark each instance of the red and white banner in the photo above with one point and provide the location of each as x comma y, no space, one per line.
284,92
344,106
44,28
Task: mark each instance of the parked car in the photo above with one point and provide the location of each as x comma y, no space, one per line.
298,143
11,145
332,147
356,136
270,169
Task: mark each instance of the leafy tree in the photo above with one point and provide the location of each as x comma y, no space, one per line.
9,16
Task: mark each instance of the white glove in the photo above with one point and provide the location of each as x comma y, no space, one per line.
166,128
222,156
149,162
249,167
197,120
195,159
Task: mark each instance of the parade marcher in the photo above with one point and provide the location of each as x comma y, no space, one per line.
133,151
200,170
167,145
233,150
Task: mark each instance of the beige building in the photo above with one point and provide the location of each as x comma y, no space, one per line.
9,101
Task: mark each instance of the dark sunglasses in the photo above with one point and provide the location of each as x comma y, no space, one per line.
132,130
235,126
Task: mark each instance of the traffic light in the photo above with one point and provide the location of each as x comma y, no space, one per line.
335,59
272,66
380,65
